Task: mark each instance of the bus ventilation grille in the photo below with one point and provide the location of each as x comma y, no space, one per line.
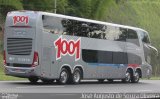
19,46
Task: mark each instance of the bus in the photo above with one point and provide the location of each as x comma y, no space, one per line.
48,47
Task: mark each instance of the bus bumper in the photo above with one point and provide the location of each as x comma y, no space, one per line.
20,72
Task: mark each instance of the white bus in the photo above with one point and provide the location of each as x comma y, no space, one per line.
45,46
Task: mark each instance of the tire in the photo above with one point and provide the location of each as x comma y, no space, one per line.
100,80
136,77
76,76
33,80
127,78
110,80
47,81
64,76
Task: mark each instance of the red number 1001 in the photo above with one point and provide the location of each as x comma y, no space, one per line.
65,47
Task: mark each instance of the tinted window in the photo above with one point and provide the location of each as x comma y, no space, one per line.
144,37
120,58
104,57
133,37
86,29
115,33
132,34
52,24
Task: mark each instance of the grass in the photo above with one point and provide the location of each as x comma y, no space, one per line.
4,77
155,78
152,78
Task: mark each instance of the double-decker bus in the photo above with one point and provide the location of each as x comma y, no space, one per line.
45,46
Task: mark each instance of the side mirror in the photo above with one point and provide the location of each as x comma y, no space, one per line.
154,49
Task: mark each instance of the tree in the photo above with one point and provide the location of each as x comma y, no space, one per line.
9,5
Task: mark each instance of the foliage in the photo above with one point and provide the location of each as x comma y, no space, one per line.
9,5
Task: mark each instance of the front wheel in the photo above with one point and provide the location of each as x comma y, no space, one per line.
136,77
64,76
33,80
76,76
127,78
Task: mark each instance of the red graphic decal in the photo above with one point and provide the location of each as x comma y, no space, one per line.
20,19
133,65
65,47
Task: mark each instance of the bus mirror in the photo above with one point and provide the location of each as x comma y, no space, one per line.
154,49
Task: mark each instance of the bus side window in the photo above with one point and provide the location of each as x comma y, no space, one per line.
132,34
50,26
133,37
123,34
145,38
115,33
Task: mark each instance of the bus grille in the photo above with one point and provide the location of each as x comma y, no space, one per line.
19,46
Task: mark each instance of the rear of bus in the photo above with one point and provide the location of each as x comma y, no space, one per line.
20,56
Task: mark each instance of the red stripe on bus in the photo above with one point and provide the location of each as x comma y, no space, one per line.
133,65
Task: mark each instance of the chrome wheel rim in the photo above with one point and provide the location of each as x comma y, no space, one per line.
128,77
64,77
76,76
136,76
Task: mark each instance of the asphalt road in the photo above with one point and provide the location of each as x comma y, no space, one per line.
84,87
144,86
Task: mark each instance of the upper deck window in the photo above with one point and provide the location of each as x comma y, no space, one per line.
133,37
57,25
52,24
144,37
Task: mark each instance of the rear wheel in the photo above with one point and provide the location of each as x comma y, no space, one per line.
101,80
136,77
76,76
33,80
64,76
127,78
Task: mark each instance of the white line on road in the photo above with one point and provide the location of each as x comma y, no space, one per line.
40,87
145,91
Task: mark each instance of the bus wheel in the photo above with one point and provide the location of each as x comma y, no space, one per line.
110,80
33,80
136,77
76,76
127,78
64,75
101,80
47,81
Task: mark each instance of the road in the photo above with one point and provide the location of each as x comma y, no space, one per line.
144,86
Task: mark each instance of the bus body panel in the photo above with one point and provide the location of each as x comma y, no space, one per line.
20,44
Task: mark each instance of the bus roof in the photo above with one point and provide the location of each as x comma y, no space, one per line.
80,19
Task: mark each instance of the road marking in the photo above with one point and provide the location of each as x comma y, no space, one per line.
40,87
63,94
145,91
